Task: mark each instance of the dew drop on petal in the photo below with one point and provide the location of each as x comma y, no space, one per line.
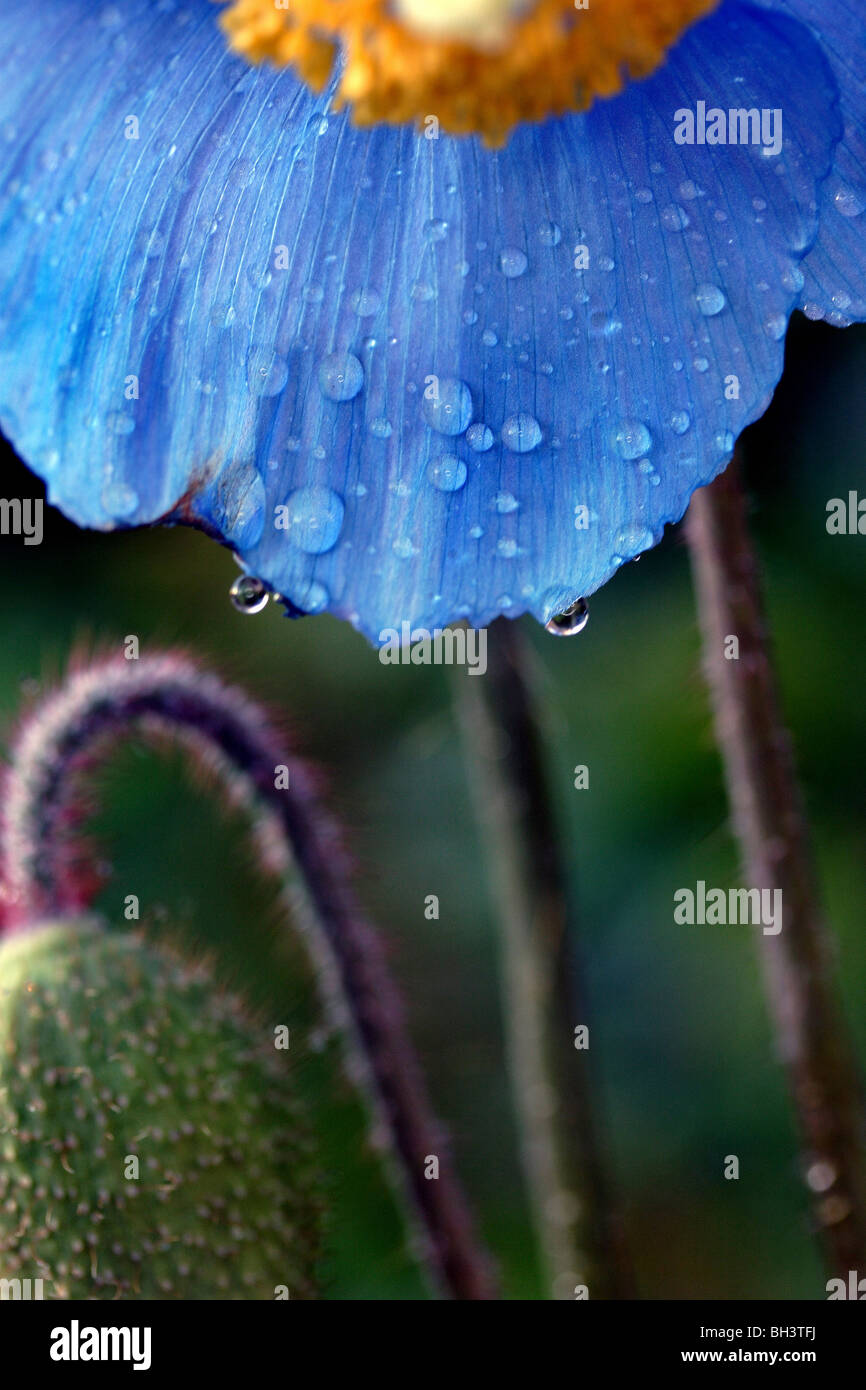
521,433
632,439
570,621
249,595
512,262
505,502
436,229
674,218
341,376
479,438
447,473
366,303
119,499
549,234
681,422
710,300
241,500
448,410
314,519
631,540
267,371
848,203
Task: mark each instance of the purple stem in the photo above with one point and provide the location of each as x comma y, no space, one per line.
168,696
770,823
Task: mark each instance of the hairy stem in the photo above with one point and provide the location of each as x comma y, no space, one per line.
770,824
578,1230
167,696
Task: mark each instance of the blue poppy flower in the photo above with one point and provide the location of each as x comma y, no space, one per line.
409,378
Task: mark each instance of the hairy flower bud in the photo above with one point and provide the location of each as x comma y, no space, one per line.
150,1143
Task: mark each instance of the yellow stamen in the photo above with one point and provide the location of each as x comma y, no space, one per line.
463,66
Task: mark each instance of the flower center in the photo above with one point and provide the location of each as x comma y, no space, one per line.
463,66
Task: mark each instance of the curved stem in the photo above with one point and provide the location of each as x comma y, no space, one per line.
770,824
168,696
578,1228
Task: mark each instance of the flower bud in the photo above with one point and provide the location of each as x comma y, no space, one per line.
150,1145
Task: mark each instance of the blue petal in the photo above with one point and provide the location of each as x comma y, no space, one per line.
430,412
834,272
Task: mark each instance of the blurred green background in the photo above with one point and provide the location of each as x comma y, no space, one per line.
680,1037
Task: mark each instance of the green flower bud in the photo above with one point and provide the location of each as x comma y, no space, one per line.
149,1143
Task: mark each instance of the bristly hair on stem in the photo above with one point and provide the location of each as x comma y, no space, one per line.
770,824
168,696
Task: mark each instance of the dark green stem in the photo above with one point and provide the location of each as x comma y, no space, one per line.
579,1234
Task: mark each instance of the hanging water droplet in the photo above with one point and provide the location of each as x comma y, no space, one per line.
521,433
341,376
710,300
512,262
449,409
571,621
447,473
632,439
249,595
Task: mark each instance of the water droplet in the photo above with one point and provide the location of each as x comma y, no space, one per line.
489,338
341,376
549,234
644,195
701,364
404,549
313,519
249,595
674,218
447,473
571,621
436,229
710,300
241,501
521,433
366,303
681,422
507,549
119,499
776,327
605,324
449,411
724,442
631,540
505,502
848,203
632,439
267,371
512,262
312,598
422,293
118,422
480,438
380,428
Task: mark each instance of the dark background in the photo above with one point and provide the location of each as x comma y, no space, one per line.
680,1035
